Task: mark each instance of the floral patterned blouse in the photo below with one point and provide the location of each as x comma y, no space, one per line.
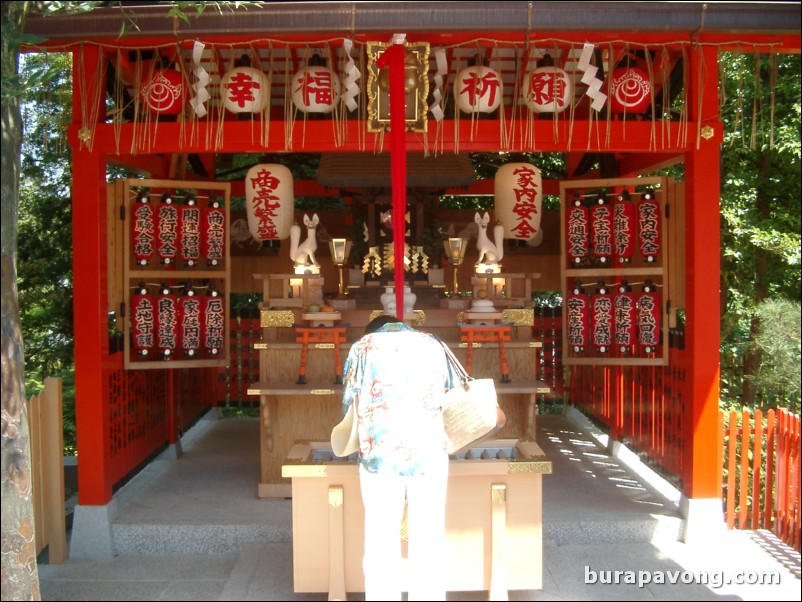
397,376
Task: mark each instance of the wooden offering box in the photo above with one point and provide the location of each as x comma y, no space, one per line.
493,519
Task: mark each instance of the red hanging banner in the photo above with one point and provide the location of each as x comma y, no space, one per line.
189,328
577,235
393,59
624,227
625,318
213,231
578,318
167,319
190,239
649,316
601,230
649,226
143,322
213,326
143,230
167,227
602,319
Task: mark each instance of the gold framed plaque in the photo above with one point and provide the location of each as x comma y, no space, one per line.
416,86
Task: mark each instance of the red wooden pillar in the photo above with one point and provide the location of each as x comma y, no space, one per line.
701,472
90,297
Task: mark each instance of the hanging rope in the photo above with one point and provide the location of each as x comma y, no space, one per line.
146,123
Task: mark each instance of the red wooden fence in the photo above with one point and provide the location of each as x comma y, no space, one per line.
761,488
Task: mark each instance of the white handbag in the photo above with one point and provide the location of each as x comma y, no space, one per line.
344,436
470,410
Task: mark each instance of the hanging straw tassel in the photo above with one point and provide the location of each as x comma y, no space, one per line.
502,112
773,72
653,135
702,76
289,113
682,131
757,105
665,82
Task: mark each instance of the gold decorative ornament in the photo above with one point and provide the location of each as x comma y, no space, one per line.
336,496
519,317
498,493
416,86
278,318
411,68
707,132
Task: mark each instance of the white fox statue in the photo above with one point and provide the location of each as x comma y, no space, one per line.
304,253
488,251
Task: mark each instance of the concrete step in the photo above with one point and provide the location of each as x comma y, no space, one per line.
189,539
192,538
205,502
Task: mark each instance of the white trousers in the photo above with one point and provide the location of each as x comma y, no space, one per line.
383,497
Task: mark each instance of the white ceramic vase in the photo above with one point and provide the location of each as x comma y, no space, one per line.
388,300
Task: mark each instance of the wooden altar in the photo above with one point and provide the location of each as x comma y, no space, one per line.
494,541
294,409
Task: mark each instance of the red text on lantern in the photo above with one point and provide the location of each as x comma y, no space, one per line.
525,206
241,88
315,87
547,88
478,85
266,203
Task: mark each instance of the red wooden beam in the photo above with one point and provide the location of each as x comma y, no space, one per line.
482,136
702,177
91,317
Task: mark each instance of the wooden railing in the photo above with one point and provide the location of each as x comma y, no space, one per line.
232,383
47,470
761,488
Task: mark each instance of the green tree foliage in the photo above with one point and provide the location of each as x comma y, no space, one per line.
777,343
760,206
45,223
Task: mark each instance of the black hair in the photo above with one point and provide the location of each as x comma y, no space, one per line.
378,322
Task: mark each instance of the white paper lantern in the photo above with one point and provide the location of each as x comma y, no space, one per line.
478,90
547,89
245,90
269,201
519,200
315,89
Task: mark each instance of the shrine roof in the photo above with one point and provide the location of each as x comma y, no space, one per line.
342,18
